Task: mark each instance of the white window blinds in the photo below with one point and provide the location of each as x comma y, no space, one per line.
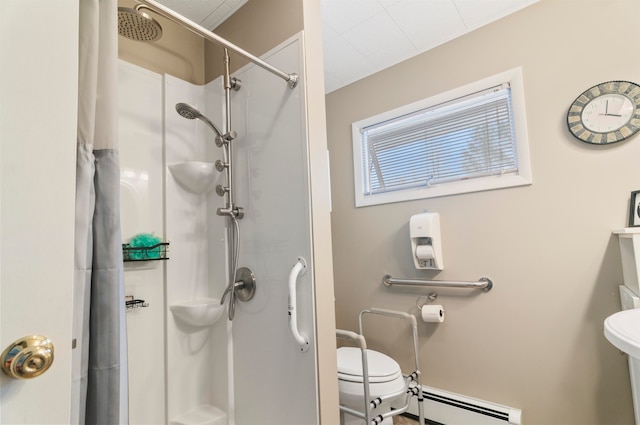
465,138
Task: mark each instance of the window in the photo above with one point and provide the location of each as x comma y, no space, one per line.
469,139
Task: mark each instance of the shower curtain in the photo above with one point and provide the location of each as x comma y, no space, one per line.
99,356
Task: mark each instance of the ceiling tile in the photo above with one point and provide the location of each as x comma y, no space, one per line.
328,33
343,60
478,13
194,10
207,13
217,17
388,3
342,15
427,23
377,34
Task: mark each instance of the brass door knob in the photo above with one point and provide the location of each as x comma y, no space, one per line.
28,357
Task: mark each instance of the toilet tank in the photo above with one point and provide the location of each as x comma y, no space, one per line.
629,239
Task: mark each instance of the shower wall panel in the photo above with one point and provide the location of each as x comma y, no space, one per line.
275,382
196,364
141,199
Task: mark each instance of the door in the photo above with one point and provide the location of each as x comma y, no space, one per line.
38,110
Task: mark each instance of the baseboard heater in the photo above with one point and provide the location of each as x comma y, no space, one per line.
447,408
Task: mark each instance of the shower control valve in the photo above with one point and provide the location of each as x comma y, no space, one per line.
236,212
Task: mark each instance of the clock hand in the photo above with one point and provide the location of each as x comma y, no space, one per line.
606,108
613,115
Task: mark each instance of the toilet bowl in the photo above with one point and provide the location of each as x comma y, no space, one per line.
385,378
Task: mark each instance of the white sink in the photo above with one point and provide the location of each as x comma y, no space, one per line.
622,329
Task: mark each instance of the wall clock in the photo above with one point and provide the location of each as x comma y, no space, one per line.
606,113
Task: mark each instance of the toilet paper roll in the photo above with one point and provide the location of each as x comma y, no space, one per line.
432,313
424,252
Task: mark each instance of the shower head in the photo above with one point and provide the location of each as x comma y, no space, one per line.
137,25
189,112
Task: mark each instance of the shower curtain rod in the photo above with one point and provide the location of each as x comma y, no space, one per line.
291,79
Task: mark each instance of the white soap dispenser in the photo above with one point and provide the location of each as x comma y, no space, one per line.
426,243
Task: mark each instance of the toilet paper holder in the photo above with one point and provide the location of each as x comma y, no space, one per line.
428,299
426,242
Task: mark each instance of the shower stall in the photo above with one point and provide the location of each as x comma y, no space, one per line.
229,189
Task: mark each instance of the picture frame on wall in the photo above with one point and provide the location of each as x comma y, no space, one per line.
634,209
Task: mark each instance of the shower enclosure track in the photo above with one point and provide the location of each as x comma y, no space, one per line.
291,79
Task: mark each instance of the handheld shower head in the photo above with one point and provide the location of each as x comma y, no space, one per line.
189,112
137,25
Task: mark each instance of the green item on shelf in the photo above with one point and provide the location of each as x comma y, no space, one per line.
145,240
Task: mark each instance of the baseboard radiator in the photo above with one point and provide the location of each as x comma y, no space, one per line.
447,408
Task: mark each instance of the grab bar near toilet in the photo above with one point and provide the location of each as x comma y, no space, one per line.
416,390
483,283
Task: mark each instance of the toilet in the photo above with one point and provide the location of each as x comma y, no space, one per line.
385,378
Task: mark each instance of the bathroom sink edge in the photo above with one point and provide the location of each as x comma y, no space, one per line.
622,329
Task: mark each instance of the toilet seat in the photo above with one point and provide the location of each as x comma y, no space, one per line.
381,367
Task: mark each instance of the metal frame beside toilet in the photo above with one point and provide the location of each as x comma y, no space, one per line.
412,387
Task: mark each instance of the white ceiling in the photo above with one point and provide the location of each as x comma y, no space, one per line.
362,37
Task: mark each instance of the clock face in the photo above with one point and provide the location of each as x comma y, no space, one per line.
606,113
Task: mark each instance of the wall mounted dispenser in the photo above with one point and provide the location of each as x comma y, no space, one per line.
426,243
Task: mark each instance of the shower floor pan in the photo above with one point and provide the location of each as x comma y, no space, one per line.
201,415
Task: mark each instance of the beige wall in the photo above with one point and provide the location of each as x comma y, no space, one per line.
256,27
536,340
179,52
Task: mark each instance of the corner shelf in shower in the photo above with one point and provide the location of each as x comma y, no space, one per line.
199,312
194,176
145,253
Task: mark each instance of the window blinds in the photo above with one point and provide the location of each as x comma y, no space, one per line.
469,137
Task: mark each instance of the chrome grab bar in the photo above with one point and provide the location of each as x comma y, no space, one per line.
483,283
298,269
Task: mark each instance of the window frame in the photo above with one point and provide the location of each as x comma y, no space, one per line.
523,176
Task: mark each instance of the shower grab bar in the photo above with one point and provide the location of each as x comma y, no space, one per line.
483,283
298,269
291,79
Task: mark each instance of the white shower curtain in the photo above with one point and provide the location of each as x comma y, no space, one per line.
99,358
